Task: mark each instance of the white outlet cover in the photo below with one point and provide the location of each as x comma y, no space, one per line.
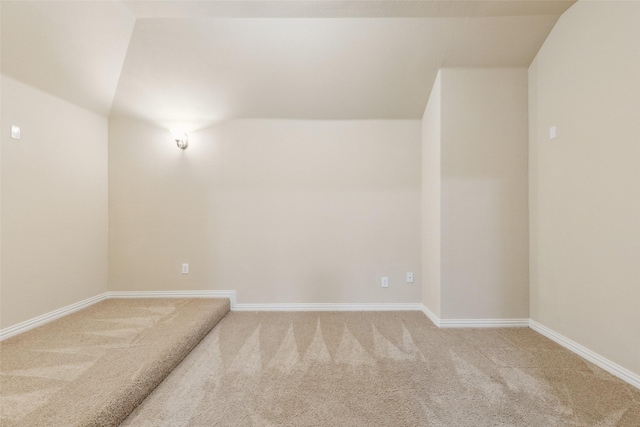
385,282
15,132
553,132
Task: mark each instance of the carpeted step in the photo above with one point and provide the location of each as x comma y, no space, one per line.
95,366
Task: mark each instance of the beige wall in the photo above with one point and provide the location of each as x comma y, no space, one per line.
279,210
475,195
54,204
585,185
431,188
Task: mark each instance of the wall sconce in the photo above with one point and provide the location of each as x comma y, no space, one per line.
182,140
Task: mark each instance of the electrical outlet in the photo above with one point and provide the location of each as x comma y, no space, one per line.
409,277
15,132
385,282
185,268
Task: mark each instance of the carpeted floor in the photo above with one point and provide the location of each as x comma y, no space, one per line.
93,367
382,369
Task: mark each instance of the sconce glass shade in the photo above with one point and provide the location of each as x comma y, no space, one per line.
182,141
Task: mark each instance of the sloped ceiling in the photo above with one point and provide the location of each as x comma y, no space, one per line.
72,49
204,61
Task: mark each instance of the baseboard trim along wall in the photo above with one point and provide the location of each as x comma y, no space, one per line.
591,356
56,314
595,358
327,307
176,294
235,306
475,323
48,317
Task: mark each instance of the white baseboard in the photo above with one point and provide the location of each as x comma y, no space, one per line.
235,306
434,319
56,314
593,357
48,317
598,360
484,323
327,307
176,294
474,323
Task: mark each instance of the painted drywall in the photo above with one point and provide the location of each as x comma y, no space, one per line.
212,69
484,211
431,186
585,184
282,211
71,49
54,203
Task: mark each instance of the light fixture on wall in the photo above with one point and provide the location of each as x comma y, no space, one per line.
182,140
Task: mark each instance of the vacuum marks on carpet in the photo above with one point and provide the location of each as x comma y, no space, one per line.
381,369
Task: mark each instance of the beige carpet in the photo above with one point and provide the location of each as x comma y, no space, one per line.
381,369
93,367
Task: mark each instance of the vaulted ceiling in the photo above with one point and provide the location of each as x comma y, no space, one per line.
203,61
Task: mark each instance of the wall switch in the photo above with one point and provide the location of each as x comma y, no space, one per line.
385,282
552,132
15,132
409,277
185,268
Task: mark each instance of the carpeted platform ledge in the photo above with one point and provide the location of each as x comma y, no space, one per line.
95,366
